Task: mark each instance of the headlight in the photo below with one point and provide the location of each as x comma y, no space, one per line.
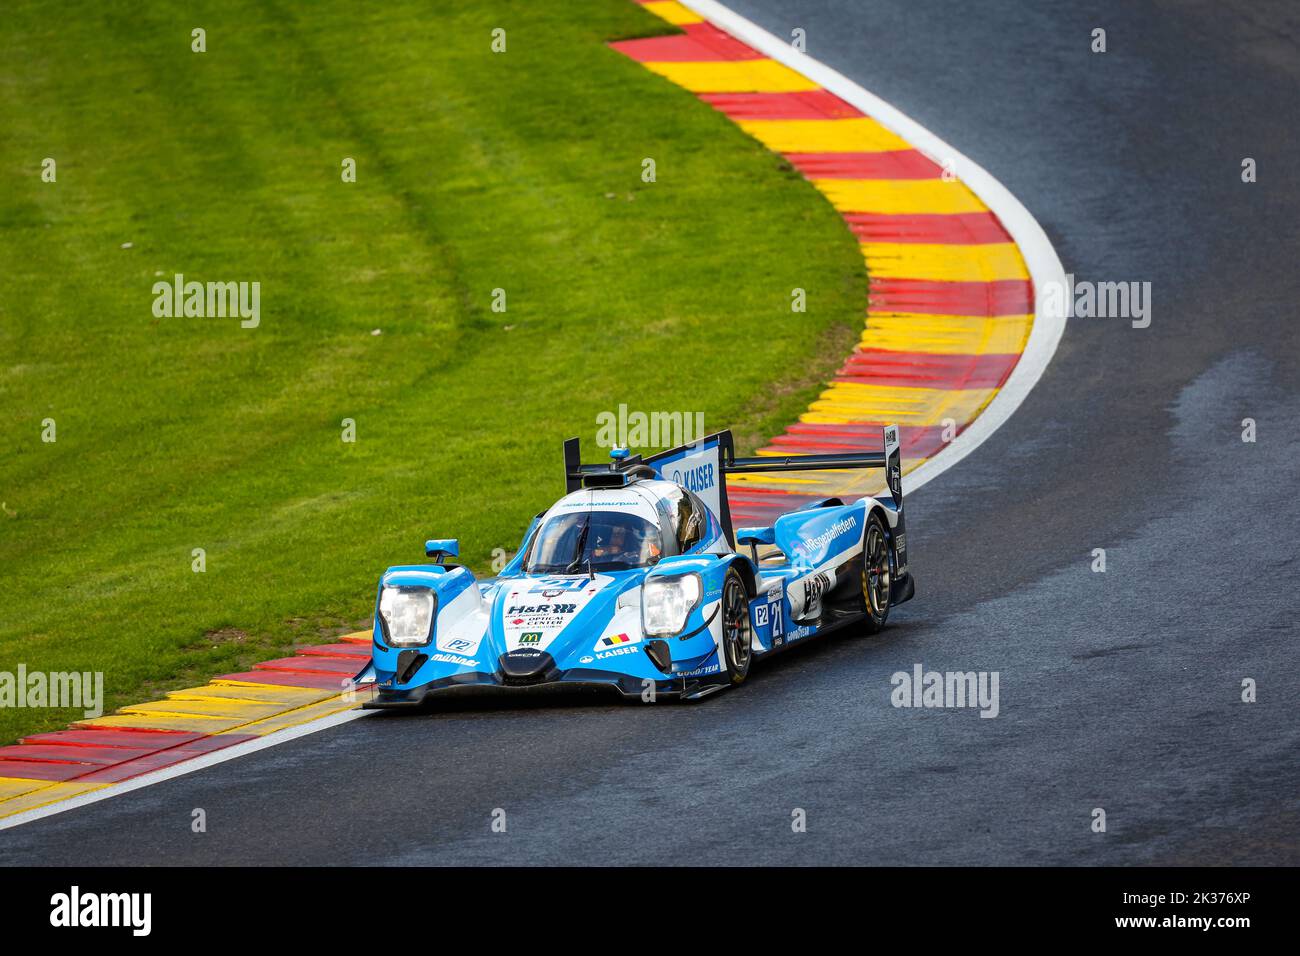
666,603
408,615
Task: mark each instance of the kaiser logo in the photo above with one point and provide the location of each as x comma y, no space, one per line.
697,479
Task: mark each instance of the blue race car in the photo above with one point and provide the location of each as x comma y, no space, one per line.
632,582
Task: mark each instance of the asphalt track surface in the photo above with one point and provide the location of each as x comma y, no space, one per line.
1119,690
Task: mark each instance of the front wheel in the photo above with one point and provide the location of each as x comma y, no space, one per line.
877,574
737,644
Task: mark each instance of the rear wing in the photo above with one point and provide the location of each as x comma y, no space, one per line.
703,467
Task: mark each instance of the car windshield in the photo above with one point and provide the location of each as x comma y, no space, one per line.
601,540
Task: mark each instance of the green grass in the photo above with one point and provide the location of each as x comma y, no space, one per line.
476,171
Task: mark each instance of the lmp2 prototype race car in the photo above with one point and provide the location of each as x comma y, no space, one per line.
632,582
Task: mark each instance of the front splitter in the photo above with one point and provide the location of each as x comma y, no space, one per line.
576,681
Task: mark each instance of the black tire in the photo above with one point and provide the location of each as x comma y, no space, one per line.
877,574
737,635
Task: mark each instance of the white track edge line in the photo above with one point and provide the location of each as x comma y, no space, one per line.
182,768
1044,265
1040,258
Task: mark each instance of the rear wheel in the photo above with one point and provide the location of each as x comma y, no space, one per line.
877,574
737,644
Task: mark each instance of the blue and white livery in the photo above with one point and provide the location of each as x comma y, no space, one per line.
633,582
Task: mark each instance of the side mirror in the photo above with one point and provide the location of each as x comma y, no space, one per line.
754,537
440,548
